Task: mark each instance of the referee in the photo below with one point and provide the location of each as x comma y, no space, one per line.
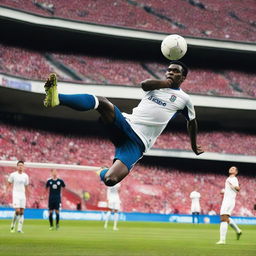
54,185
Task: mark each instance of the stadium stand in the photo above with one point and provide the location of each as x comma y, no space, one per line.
214,141
230,21
164,190
21,62
102,70
42,146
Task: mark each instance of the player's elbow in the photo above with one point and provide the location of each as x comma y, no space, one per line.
144,85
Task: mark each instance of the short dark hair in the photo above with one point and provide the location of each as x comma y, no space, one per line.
20,162
184,67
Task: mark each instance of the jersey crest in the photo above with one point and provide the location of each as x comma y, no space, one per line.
173,98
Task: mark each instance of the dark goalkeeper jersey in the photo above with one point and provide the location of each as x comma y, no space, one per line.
55,189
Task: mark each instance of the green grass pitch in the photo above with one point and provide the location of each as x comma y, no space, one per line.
75,238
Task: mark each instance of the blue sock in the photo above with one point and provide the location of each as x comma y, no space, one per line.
102,174
80,102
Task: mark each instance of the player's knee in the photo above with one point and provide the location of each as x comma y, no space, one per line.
224,218
103,102
111,180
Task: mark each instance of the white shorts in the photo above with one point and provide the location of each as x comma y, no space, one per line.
114,205
19,202
195,209
227,207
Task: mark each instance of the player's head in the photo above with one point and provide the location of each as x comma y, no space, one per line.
233,170
177,72
20,166
54,173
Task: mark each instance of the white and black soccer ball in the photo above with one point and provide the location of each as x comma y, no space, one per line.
174,47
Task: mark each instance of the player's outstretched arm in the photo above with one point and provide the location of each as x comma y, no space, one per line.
150,85
192,131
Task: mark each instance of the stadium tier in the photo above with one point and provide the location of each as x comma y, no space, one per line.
102,70
205,18
146,189
42,146
214,141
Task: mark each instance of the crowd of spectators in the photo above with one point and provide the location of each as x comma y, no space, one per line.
22,62
146,189
230,20
42,146
103,70
213,141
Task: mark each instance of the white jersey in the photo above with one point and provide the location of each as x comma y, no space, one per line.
195,204
155,110
229,198
229,193
112,193
19,181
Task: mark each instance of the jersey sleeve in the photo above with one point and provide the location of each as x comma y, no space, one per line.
189,111
10,178
47,185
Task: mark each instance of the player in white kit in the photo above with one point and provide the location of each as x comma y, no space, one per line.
195,205
228,204
19,182
113,204
133,134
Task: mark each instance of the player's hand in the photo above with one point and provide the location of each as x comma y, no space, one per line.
197,150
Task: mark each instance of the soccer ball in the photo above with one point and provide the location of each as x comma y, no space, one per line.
174,47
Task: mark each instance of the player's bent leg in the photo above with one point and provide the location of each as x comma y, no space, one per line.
80,102
115,173
106,110
236,228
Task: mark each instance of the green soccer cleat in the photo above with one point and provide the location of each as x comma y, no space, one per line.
12,230
52,96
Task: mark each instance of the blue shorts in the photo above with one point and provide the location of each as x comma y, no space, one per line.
129,148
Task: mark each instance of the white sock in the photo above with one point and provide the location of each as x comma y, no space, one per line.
107,219
223,230
20,223
15,217
116,216
234,226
